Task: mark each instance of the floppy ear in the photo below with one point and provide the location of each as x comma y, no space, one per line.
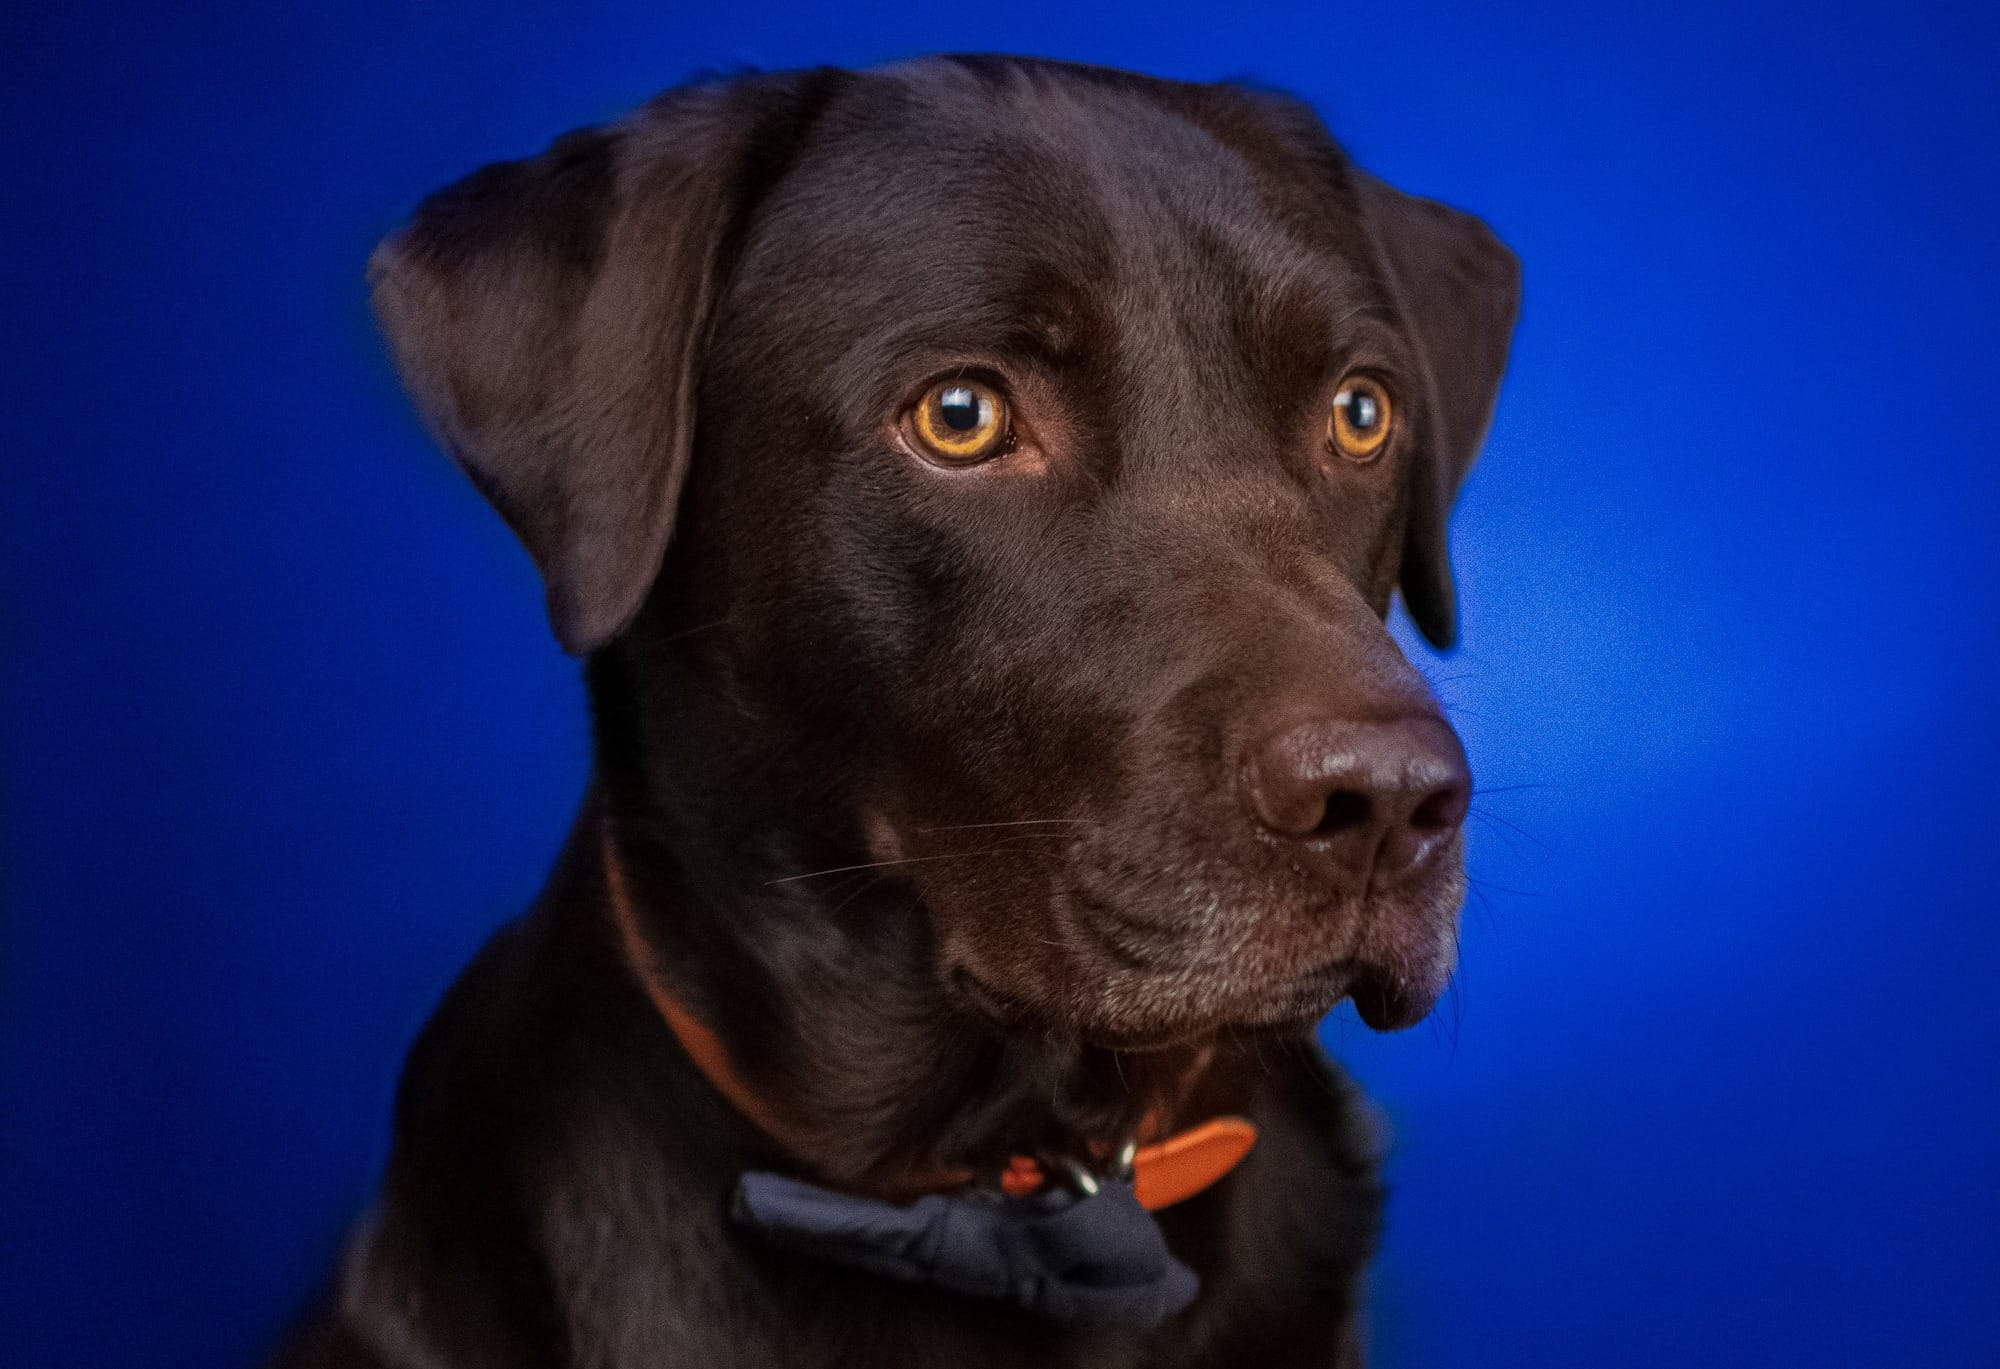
548,316
1457,289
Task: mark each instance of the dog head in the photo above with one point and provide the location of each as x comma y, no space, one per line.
996,473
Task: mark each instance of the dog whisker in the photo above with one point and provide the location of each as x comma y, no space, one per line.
907,860
1515,827
700,627
1501,888
1017,822
1486,918
1449,1029
866,884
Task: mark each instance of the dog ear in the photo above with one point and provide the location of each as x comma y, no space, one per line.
1458,289
548,317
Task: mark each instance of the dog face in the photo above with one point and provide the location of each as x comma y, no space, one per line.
1041,448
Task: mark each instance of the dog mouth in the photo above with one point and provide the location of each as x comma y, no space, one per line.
1294,1005
1307,998
1142,970
1382,1001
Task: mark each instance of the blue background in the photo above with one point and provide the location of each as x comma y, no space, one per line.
286,736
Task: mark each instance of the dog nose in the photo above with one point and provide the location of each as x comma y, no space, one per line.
1366,803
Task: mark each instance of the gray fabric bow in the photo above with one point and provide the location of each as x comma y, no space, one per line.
1098,1260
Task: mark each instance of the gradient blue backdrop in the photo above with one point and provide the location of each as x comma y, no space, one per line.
286,737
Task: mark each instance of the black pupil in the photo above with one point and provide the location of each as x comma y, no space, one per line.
959,408
1362,413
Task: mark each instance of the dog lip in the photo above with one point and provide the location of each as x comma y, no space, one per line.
1382,1004
1296,1004
1386,1005
1305,998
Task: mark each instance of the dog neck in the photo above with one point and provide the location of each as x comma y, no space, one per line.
835,1041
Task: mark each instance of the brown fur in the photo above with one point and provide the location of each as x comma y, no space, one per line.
929,783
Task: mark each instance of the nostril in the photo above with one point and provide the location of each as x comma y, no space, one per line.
1441,810
1345,810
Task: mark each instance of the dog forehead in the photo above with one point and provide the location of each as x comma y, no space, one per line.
941,202
907,172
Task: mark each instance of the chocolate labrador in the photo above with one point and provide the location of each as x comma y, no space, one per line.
977,486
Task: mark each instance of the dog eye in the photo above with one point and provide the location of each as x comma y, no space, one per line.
1361,418
961,421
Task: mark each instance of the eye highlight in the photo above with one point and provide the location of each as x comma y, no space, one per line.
959,422
1362,416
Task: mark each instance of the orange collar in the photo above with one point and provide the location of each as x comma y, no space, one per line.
1165,1172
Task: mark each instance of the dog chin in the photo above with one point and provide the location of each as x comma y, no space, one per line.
1165,1024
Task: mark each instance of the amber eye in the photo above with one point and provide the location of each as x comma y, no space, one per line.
1361,418
961,421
